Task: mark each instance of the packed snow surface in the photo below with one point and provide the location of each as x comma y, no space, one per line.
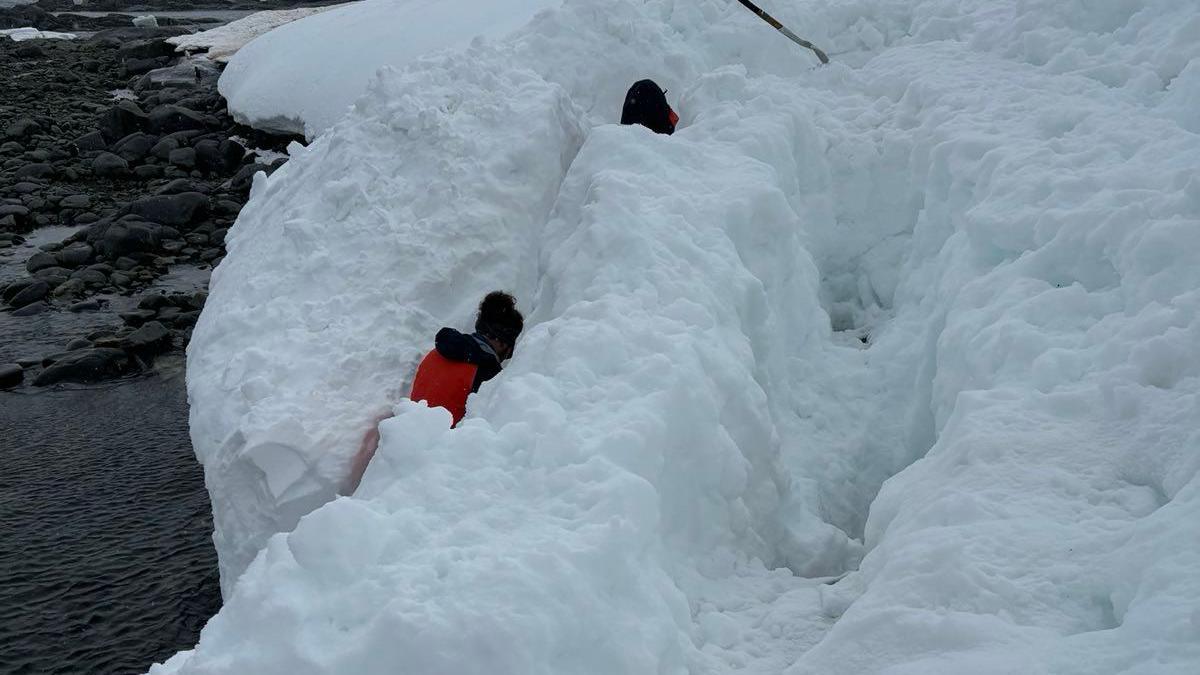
222,42
303,77
22,34
888,366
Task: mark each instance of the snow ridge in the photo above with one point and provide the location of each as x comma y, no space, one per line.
994,204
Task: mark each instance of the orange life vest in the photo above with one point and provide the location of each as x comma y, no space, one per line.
443,383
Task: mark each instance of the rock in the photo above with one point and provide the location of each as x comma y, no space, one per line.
185,319
91,277
128,237
219,157
11,375
162,149
175,210
25,188
134,147
125,264
184,158
86,218
20,215
35,291
145,49
154,301
22,128
244,178
148,172
75,255
121,120
54,276
217,238
29,52
78,343
40,261
85,365
151,338
120,279
40,170
137,317
70,288
31,309
168,118
108,165
14,288
142,66
75,202
90,142
181,185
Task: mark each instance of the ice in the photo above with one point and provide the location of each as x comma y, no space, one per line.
298,79
221,43
22,34
989,466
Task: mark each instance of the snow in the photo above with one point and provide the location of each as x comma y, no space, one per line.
22,34
297,80
222,42
887,366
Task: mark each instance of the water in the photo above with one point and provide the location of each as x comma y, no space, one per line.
106,558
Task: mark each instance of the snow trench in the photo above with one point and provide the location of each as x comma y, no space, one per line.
882,367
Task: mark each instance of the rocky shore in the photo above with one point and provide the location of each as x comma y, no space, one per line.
129,144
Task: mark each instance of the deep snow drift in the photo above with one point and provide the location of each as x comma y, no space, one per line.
959,263
302,77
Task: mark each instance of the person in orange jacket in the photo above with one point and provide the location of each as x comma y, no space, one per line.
454,369
459,363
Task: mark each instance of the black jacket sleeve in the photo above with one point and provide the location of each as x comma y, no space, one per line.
457,346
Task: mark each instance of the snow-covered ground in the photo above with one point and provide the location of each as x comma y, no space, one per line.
222,42
301,78
927,316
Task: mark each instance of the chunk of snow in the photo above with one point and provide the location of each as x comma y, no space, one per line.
297,80
146,21
22,34
1000,199
222,42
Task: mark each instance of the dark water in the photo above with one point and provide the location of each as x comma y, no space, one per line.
106,560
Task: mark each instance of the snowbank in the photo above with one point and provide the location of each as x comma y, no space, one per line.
22,34
995,205
302,78
222,42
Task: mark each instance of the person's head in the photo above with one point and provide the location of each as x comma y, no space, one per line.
646,104
500,322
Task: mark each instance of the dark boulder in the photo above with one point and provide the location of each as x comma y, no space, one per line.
86,365
22,128
75,202
146,49
128,237
40,170
90,142
108,165
134,147
35,291
40,261
11,375
169,118
75,255
184,158
31,309
137,317
20,215
151,338
121,120
175,210
181,185
162,149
